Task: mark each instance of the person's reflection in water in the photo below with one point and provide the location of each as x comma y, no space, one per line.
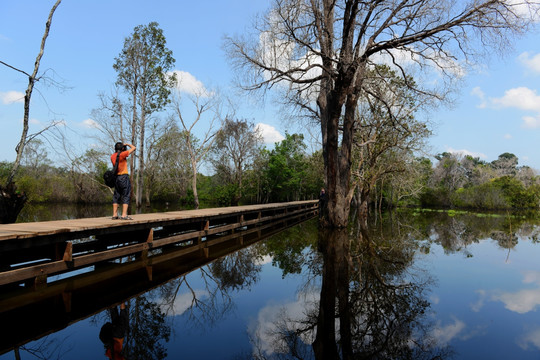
112,333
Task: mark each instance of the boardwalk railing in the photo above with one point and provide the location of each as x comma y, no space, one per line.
68,300
31,252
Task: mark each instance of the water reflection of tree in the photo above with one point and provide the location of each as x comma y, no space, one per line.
456,232
237,271
371,306
206,305
288,248
45,348
147,330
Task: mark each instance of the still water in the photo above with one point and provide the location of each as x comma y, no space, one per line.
407,286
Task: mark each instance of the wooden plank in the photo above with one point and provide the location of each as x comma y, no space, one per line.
42,233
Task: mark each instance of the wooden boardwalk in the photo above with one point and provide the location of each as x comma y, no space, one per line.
30,252
68,300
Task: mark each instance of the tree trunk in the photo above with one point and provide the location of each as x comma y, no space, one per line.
133,139
335,250
140,172
194,186
11,203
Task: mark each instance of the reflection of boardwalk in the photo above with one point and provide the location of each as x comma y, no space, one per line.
67,301
33,251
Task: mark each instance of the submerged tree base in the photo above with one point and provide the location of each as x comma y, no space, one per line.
11,203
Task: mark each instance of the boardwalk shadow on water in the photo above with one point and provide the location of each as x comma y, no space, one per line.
362,293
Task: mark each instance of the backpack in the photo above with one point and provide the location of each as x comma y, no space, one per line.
110,175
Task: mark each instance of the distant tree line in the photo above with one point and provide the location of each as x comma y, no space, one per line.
253,175
256,174
464,182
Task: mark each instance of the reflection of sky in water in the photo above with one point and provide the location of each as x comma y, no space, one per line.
486,305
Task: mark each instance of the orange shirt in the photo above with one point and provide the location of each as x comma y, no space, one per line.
116,353
122,166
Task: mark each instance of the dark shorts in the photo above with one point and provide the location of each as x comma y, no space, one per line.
122,190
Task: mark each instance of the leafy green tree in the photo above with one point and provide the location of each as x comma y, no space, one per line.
142,68
286,170
387,132
256,183
171,164
515,193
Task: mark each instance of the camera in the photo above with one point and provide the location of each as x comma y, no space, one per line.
124,147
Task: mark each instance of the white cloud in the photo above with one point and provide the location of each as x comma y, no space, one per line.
465,152
189,84
522,301
269,133
479,94
530,62
183,302
531,338
11,97
291,314
477,306
267,259
90,124
508,136
531,122
521,98
444,334
525,10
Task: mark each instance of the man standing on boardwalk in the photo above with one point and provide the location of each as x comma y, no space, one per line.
122,187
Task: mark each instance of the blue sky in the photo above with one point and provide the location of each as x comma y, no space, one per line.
497,110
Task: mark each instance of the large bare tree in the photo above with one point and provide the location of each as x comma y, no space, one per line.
206,106
321,51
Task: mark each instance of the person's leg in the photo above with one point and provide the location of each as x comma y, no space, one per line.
124,210
126,194
115,210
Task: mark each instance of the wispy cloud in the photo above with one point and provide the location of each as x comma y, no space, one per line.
532,338
531,62
479,94
11,97
90,124
521,98
477,306
444,334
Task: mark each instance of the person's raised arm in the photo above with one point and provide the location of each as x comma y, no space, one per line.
131,147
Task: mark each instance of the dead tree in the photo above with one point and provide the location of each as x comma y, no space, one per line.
12,202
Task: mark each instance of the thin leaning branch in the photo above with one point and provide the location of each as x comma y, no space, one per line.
31,81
